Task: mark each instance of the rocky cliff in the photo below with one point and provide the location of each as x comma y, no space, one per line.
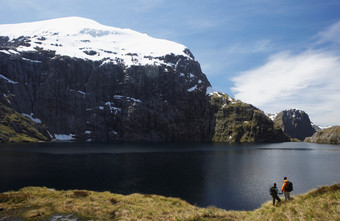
235,121
326,136
99,83
295,123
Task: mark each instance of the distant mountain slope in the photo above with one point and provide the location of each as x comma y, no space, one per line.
327,136
295,123
92,82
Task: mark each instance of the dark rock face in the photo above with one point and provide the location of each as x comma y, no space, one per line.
104,102
98,101
295,123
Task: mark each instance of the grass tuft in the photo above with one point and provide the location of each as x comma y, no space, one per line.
81,194
114,200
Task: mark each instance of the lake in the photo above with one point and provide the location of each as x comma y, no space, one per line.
228,176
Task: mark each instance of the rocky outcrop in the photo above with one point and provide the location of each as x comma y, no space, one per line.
326,136
108,100
235,121
295,123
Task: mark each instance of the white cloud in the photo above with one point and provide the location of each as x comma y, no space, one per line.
308,81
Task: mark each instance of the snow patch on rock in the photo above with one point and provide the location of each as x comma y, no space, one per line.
64,137
30,116
8,80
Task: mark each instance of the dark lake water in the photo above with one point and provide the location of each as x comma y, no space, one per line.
228,176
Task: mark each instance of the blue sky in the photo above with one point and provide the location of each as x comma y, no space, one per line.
275,54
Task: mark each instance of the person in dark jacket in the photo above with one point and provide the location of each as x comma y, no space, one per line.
273,193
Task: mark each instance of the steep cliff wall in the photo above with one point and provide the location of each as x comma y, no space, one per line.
78,86
106,101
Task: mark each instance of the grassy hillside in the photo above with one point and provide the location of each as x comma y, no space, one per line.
16,128
38,203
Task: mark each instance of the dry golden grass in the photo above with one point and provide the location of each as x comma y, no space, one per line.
39,203
320,204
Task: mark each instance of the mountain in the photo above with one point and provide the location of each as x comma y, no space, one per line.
295,123
329,135
91,82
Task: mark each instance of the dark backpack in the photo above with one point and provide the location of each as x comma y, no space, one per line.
272,191
289,187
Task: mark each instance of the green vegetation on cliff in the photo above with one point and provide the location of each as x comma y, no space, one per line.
40,203
240,122
326,136
15,128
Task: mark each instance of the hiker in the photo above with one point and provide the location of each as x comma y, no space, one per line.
273,192
287,187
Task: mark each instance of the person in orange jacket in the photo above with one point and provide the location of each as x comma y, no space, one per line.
283,189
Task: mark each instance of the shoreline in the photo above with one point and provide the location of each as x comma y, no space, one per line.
41,203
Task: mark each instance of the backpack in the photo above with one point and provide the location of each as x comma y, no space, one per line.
272,191
289,187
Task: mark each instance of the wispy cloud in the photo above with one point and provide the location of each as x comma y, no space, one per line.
330,34
262,45
307,81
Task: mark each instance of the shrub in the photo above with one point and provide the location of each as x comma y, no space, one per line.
80,194
113,200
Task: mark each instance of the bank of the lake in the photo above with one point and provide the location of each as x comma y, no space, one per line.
39,203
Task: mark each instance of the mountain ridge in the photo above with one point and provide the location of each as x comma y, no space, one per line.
165,99
87,39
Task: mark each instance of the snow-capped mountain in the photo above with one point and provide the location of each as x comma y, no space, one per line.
91,82
87,39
